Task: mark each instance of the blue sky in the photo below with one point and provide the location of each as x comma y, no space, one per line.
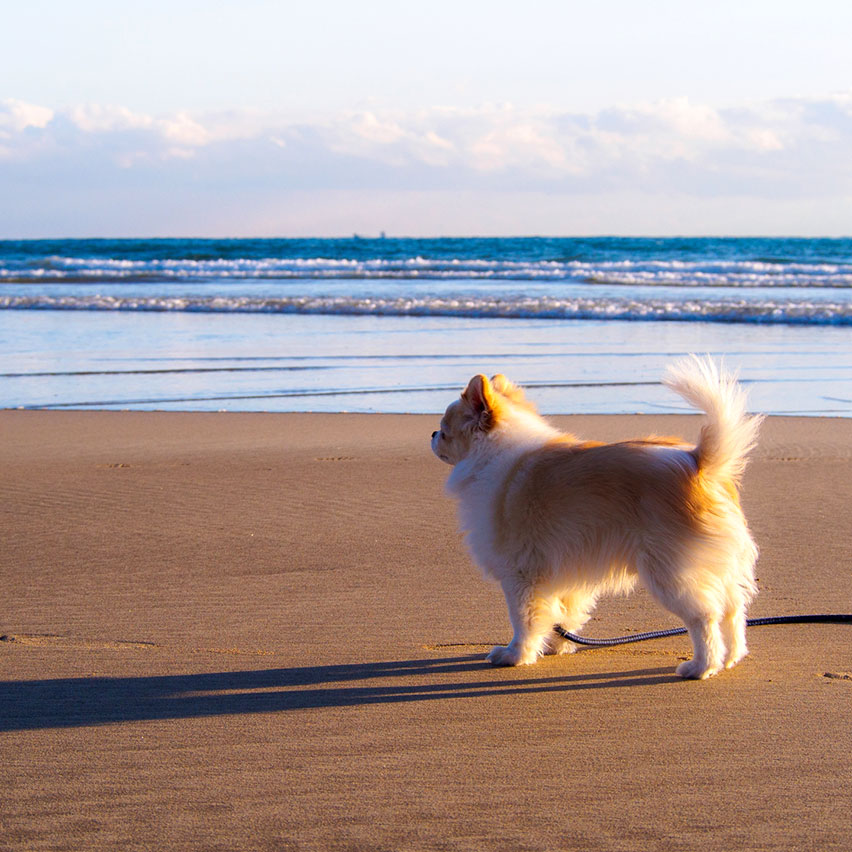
261,118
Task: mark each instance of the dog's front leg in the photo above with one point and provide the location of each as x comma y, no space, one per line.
532,620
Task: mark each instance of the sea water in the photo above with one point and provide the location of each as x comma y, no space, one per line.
399,325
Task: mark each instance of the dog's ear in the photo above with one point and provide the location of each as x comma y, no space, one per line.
479,396
509,389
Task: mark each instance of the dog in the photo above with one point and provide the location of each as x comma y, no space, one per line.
559,521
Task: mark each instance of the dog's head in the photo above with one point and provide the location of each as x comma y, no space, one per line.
482,407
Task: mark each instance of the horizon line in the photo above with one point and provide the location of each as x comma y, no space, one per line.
385,236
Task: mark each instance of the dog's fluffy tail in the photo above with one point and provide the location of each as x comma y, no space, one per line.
729,433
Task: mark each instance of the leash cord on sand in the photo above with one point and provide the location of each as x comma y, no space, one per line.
677,631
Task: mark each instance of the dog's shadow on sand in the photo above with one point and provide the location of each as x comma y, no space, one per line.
80,702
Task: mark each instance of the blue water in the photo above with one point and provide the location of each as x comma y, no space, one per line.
400,324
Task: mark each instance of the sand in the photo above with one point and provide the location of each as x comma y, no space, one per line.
262,631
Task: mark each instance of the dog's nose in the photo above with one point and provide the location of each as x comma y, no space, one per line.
434,433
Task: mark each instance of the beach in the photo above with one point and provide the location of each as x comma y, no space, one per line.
262,631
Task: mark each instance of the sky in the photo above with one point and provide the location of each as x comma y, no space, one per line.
259,118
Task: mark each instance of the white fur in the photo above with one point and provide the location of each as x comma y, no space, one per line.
558,523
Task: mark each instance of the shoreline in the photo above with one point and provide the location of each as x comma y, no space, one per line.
330,364
261,630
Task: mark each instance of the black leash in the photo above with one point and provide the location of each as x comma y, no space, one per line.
677,631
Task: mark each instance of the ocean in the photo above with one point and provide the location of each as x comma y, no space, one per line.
400,325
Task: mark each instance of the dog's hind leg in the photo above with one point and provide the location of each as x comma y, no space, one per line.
572,611
532,619
699,603
741,589
707,649
739,596
734,634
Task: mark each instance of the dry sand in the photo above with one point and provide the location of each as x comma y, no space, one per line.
262,631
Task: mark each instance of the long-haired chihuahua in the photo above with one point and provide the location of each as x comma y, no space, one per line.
559,521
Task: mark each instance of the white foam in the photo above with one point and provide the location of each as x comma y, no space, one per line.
710,273
766,311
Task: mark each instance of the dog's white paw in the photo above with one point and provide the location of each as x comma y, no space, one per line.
732,660
506,655
695,670
557,645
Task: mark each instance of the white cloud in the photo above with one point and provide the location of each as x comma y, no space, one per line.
101,118
16,116
520,141
762,139
485,140
778,150
184,131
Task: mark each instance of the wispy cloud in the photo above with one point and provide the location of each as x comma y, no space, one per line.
784,149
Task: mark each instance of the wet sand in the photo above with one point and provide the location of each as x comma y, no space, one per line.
262,631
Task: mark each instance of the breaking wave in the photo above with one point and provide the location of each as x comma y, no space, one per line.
701,273
729,310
